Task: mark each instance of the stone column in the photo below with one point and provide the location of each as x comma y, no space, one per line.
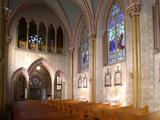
5,41
72,71
92,66
155,9
2,61
134,11
27,33
46,38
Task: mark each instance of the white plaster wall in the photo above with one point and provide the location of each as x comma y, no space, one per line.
24,58
147,58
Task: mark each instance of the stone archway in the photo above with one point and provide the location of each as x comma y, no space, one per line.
48,67
19,73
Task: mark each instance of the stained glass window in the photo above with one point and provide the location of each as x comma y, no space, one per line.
84,52
39,37
116,35
42,37
22,33
59,40
33,37
51,39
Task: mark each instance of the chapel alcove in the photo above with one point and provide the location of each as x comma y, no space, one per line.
39,83
20,87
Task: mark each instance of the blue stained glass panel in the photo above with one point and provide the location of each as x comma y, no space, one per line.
84,52
116,35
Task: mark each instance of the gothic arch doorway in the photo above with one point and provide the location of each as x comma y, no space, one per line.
20,88
40,85
47,68
20,83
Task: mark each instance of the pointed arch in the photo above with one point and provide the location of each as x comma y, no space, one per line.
81,22
122,3
60,40
14,77
88,12
22,33
64,79
42,37
49,68
25,4
45,63
78,36
51,38
19,71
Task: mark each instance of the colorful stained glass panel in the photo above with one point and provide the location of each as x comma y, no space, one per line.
116,35
84,52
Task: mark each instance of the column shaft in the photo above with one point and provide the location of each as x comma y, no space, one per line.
134,10
92,65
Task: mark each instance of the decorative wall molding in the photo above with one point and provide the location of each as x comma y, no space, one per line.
71,49
7,13
154,2
8,39
92,36
134,9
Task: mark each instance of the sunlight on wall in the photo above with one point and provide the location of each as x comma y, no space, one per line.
115,94
84,91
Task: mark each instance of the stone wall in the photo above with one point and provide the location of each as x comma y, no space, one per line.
1,57
122,93
147,56
24,58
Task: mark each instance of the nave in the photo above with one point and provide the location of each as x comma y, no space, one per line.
78,110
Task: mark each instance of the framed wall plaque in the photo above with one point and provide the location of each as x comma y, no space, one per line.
80,82
107,79
118,77
85,81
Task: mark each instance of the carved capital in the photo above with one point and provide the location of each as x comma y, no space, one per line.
154,2
7,12
71,49
134,1
8,39
92,36
134,9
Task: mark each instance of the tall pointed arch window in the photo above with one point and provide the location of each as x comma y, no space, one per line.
51,39
59,40
36,36
42,37
22,33
33,37
58,87
116,35
84,52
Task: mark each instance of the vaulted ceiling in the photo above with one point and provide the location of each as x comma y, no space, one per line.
68,10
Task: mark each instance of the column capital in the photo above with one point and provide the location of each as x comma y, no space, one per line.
8,39
154,2
134,9
92,36
71,49
7,12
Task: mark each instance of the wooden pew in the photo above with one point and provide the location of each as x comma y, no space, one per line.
36,110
